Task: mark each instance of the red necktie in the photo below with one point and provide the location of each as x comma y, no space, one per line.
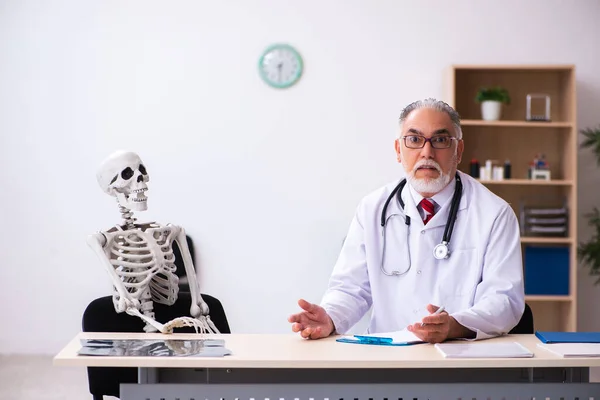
427,206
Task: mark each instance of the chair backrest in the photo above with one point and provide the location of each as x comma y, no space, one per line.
184,285
525,324
100,316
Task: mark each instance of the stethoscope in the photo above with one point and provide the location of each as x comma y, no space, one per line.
440,251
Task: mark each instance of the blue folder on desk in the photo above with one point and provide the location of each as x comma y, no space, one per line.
400,338
568,337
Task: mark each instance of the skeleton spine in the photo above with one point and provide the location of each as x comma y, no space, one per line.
147,308
127,215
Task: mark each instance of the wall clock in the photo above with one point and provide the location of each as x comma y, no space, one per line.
280,66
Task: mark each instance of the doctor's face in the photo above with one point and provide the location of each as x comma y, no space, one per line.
429,169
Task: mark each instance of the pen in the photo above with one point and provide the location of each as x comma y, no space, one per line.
373,339
438,311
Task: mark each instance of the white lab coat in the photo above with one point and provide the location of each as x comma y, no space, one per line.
480,284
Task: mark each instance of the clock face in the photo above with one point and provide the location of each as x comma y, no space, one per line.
280,66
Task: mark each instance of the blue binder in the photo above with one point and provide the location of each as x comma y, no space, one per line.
568,337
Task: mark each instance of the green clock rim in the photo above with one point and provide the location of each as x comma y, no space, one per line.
295,78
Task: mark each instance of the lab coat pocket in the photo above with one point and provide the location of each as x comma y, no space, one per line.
457,278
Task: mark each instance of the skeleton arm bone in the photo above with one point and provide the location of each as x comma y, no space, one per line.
198,307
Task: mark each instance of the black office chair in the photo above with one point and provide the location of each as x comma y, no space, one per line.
100,316
525,324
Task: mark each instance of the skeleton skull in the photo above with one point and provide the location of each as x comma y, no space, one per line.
124,176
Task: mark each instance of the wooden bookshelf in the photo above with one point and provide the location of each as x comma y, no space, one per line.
517,140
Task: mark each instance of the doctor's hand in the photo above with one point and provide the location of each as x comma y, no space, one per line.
313,322
433,328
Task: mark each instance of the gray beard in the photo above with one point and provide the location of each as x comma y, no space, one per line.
425,185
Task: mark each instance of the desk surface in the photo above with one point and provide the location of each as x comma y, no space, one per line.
291,351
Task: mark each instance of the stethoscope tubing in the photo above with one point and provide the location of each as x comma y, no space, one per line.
449,228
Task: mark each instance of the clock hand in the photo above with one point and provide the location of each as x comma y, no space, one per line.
279,67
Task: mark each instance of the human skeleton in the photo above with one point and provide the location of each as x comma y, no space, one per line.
139,257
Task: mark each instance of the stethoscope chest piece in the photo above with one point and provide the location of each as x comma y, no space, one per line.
441,251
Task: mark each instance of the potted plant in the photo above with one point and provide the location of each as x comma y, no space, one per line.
589,252
491,100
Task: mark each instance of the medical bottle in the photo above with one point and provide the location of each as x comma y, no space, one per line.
507,169
474,168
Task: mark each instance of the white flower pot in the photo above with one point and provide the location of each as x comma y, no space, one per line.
490,110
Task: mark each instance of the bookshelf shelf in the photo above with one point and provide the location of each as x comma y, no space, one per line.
547,240
515,124
539,182
535,298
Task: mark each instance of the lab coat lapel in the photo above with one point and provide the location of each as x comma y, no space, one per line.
410,208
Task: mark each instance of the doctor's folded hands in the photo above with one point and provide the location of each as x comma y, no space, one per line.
435,237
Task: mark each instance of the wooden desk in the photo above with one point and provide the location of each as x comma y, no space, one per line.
286,367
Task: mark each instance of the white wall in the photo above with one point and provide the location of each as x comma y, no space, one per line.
265,181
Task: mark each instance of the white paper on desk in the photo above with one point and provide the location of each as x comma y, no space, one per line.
572,349
403,336
482,349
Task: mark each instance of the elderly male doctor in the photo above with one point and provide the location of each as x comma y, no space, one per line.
477,276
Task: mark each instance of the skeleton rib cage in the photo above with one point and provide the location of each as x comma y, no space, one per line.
143,258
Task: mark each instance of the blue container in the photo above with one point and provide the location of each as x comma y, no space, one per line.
546,270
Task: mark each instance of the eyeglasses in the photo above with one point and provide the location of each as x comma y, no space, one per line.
437,142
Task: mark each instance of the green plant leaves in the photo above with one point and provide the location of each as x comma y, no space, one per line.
592,139
588,252
494,93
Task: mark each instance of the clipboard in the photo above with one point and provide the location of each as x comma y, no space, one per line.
377,342
400,338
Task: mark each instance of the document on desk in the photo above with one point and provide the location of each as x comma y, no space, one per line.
398,338
154,348
567,350
483,350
